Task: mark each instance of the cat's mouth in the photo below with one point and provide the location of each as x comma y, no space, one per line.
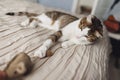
78,37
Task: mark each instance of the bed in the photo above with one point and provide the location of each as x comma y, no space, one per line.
74,63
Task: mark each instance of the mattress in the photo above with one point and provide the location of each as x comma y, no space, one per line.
77,62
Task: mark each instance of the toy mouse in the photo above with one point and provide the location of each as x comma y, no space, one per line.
19,66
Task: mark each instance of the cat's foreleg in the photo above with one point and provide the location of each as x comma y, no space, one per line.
68,43
84,41
31,22
41,51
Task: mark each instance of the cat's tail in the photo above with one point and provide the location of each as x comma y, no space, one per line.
21,14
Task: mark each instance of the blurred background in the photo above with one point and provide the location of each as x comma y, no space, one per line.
75,6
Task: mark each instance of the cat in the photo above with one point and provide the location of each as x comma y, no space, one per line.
69,29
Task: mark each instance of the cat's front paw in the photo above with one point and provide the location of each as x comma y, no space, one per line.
64,45
41,52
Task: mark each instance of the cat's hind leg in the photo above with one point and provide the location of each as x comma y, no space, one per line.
31,22
25,23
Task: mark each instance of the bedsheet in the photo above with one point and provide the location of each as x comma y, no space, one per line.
74,63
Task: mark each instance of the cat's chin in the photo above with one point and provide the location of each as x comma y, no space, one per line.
78,37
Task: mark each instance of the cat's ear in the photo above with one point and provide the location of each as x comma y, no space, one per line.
89,18
84,22
99,34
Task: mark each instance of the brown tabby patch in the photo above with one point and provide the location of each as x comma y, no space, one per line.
84,23
66,19
32,19
92,38
27,14
49,53
56,36
96,28
63,17
22,14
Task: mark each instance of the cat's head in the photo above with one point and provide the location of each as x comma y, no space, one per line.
93,24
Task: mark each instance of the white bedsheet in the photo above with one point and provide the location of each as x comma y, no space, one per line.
74,63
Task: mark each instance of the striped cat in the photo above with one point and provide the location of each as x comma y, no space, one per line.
69,29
